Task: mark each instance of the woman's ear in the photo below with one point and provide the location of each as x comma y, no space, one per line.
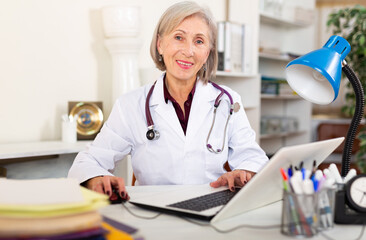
159,44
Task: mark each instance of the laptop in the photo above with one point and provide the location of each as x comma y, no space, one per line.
264,188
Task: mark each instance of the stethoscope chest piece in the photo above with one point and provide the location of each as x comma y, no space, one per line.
152,134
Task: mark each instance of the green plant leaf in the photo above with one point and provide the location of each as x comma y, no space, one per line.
362,40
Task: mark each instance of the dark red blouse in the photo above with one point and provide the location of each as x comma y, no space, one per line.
187,106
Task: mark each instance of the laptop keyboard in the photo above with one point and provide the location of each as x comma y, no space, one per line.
207,201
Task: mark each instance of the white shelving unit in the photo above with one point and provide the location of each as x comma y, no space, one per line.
247,85
285,36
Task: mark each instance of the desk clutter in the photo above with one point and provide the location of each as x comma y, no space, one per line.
55,209
308,200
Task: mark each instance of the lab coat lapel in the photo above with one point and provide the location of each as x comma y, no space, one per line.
202,105
163,109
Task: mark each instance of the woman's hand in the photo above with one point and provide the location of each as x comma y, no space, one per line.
106,184
232,179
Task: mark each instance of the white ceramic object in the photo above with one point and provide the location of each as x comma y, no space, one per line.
121,21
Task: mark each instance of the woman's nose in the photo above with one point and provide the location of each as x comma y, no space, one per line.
188,49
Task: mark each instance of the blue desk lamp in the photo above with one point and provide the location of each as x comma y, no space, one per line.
316,77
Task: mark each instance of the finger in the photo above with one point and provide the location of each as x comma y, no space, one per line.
239,178
221,181
230,181
243,179
107,185
97,185
120,183
249,175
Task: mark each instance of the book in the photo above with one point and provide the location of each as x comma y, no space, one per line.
91,201
45,208
48,226
247,49
221,45
233,47
227,48
237,46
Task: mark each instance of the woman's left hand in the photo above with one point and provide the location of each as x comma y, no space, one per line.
233,178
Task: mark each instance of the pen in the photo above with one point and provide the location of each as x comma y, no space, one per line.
303,172
328,174
284,177
289,171
318,174
291,202
334,170
351,173
309,197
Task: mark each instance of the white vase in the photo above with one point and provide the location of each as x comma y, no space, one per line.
121,21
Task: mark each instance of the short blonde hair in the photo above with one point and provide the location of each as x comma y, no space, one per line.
171,18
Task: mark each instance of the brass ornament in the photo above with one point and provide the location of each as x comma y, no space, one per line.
89,118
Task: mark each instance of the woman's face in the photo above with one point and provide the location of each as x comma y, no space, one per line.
185,49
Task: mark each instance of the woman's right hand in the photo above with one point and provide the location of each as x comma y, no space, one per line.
106,184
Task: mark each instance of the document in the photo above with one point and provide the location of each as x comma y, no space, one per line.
40,191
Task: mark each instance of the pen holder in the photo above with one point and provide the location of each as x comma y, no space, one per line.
299,214
307,214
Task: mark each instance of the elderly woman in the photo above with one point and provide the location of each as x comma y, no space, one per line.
182,129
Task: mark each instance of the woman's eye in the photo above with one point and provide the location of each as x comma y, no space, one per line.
199,41
178,37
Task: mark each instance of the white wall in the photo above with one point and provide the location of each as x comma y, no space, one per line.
52,52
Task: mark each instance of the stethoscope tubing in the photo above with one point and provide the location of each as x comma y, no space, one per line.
153,134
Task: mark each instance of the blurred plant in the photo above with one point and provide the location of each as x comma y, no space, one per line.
350,23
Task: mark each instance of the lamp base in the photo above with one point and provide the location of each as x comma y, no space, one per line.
343,213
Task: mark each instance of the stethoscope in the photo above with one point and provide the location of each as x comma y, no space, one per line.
153,134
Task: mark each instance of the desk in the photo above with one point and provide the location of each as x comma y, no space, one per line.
171,227
43,159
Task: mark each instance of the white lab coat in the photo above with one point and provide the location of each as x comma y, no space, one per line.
174,158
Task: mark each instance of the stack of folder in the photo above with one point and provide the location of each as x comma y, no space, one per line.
52,209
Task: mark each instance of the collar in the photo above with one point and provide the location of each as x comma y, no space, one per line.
167,95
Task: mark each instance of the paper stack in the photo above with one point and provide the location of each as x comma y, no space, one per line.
50,209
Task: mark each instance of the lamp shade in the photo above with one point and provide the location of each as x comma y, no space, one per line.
316,76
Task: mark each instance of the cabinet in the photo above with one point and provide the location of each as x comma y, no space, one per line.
280,38
45,159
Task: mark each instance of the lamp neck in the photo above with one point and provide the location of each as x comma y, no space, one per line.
357,87
344,63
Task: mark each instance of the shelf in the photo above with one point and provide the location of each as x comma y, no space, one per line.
234,74
273,20
43,148
277,97
280,135
285,58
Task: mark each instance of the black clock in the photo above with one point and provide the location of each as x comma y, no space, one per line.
356,193
350,202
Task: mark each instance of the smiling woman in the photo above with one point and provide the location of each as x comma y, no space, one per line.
198,24
180,146
184,51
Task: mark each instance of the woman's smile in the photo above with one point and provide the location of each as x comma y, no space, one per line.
184,64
